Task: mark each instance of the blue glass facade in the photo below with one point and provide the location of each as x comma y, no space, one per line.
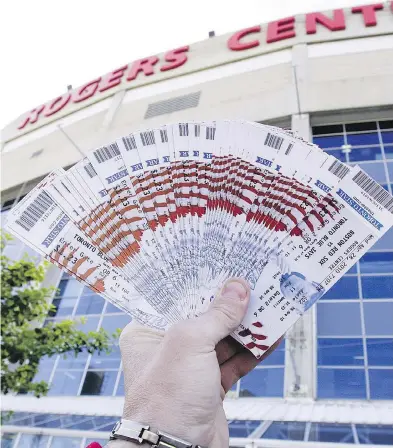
97,374
254,429
100,374
354,332
355,318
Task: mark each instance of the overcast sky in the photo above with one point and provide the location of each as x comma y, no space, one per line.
46,44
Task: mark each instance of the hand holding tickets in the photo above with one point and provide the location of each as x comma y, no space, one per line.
156,221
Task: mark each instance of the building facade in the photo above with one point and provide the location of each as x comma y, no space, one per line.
329,76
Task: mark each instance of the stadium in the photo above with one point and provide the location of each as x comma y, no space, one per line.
326,75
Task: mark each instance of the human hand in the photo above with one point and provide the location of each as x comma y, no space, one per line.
176,381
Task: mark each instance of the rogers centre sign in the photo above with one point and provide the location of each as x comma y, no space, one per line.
147,70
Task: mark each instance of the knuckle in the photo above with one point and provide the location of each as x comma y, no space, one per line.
226,312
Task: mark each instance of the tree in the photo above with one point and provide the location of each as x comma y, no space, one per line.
24,305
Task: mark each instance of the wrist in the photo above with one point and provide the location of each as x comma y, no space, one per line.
136,434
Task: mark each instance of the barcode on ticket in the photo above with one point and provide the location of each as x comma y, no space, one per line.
339,169
35,211
210,133
148,138
164,136
371,187
274,141
129,142
183,129
106,153
289,149
90,170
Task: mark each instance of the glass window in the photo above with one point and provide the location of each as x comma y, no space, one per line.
99,383
112,323
387,137
70,361
390,169
376,262
277,357
45,369
338,319
386,124
352,270
375,434
381,384
64,306
7,440
380,287
330,432
46,420
331,141
13,249
337,153
69,287
341,383
106,360
33,441
109,426
340,352
368,138
27,421
346,288
360,154
380,352
12,418
87,423
107,422
90,304
110,308
362,126
328,129
285,431
375,169
65,382
91,324
120,387
379,318
31,254
65,442
242,428
389,154
386,241
263,383
54,423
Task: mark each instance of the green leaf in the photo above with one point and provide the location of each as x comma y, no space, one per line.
24,306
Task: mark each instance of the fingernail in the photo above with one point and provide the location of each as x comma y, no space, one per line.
234,290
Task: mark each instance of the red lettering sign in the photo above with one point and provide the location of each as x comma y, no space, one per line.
235,44
32,117
143,65
281,29
57,104
368,11
333,24
176,58
112,79
241,40
86,91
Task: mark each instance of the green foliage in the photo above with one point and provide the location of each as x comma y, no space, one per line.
24,305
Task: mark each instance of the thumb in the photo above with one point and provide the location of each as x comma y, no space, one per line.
226,312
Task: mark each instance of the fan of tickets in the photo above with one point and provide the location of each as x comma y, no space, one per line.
157,220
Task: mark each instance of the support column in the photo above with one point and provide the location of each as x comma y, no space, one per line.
299,354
